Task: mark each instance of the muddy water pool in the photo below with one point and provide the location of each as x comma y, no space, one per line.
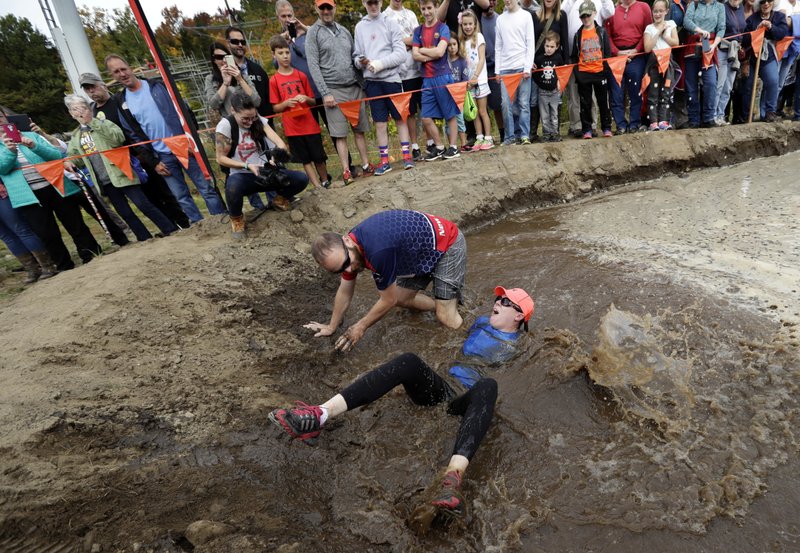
654,406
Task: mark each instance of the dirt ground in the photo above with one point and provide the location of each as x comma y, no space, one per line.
135,389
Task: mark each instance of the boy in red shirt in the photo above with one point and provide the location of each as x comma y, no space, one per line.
291,87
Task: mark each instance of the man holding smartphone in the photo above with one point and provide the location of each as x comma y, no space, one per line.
238,45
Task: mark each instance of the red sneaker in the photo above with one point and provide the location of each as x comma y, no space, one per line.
451,500
301,423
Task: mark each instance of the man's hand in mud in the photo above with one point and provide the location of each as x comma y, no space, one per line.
349,339
320,328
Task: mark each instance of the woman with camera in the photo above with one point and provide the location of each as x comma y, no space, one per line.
252,155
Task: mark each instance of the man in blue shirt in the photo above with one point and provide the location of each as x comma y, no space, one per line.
491,342
149,114
405,250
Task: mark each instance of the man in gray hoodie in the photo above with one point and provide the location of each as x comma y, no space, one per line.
380,53
329,51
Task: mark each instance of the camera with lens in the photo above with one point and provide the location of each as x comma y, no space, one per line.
273,175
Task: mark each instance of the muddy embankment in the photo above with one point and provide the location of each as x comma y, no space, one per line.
135,389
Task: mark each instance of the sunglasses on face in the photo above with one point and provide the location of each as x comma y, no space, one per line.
505,302
237,41
219,57
346,263
325,8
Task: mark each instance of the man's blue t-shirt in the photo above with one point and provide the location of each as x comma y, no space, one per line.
146,112
489,345
401,243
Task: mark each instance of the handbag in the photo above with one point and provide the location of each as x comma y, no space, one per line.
470,107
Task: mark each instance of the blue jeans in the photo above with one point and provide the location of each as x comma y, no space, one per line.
769,92
240,185
119,199
725,80
517,116
177,184
15,231
694,72
632,81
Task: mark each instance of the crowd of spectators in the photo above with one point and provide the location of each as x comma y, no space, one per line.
685,64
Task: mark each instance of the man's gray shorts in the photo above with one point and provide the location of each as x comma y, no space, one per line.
448,275
338,125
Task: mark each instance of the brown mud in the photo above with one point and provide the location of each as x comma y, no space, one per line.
135,389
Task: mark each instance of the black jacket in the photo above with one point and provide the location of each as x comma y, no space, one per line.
261,82
604,42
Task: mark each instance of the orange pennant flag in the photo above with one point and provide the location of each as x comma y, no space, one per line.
179,146
458,91
617,65
563,73
663,56
296,111
53,172
512,83
121,157
645,84
782,45
401,102
757,37
708,59
351,111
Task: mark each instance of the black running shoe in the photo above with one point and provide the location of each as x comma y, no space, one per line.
451,152
301,423
434,155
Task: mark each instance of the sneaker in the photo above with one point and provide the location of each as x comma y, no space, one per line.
555,138
450,153
664,126
347,177
721,122
434,155
525,141
653,127
416,154
281,204
577,133
367,170
382,169
408,164
466,148
607,133
620,130
518,141
587,135
488,144
301,423
771,117
451,500
326,183
478,145
509,142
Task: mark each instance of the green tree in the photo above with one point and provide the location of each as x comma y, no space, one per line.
115,32
32,80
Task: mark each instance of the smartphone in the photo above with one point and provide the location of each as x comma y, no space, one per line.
706,45
229,61
292,28
22,121
11,132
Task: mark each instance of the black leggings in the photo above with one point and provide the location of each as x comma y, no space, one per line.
427,388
